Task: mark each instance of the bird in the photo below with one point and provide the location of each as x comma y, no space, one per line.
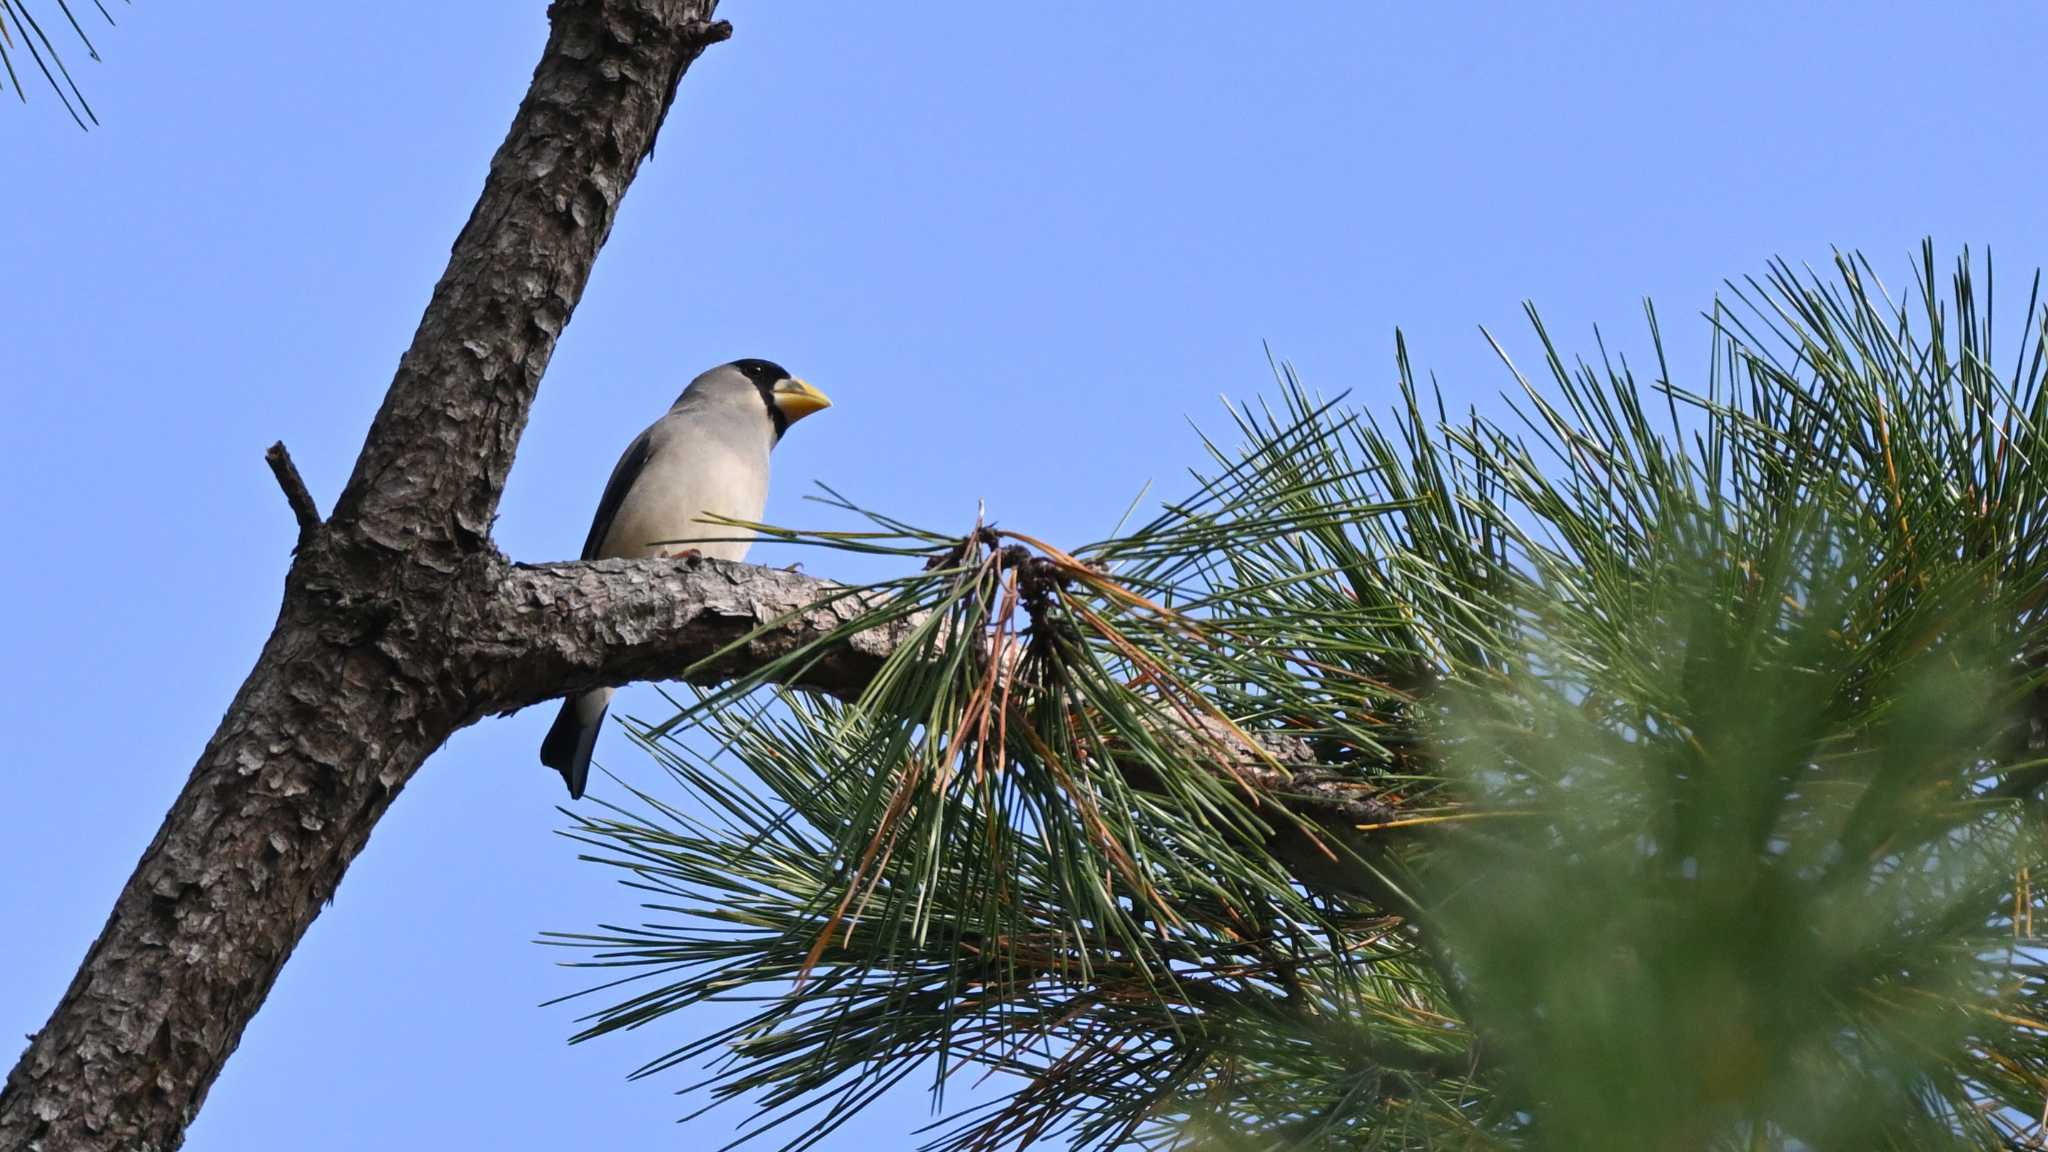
706,457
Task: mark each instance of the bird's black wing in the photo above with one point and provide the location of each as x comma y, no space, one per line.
624,476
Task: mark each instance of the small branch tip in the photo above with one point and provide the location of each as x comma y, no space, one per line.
303,508
697,36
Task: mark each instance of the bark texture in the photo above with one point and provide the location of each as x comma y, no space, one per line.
556,629
354,688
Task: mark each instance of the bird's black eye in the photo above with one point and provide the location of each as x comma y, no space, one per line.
761,372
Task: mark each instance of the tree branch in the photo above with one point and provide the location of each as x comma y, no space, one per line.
553,629
304,510
444,438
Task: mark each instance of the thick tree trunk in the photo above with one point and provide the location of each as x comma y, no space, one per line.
356,687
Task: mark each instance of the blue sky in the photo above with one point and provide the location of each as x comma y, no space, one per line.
1017,245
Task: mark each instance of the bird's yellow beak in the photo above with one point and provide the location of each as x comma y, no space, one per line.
796,399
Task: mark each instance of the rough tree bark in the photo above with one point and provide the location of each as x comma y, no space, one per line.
402,623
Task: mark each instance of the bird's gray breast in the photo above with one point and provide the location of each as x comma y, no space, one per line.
699,463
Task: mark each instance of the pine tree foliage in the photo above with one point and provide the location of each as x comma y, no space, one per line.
23,39
1660,769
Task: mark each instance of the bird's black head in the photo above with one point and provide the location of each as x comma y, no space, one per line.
787,398
765,375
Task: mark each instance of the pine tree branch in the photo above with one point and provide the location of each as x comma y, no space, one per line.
556,628
450,422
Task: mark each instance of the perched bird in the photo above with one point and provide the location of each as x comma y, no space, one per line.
707,457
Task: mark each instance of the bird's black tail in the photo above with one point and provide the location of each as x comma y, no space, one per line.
569,743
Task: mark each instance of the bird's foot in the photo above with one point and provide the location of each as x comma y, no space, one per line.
796,567
685,554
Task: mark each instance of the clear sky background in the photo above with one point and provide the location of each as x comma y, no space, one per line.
1018,244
